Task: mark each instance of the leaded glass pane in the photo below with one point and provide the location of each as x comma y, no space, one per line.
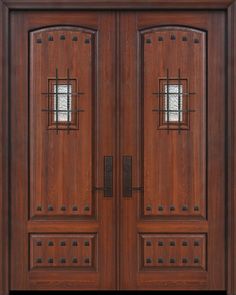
61,102
175,99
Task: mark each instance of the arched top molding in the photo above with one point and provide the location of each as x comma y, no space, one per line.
166,28
71,28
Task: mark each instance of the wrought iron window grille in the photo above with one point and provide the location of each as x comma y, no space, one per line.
53,108
164,99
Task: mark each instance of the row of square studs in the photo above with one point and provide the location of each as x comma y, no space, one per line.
173,38
62,260
62,37
196,260
63,208
173,243
61,243
172,208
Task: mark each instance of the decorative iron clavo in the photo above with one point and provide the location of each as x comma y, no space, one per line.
173,102
62,103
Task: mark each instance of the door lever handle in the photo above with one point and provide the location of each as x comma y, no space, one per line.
127,178
108,177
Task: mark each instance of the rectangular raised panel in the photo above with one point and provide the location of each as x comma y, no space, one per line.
58,251
62,116
174,123
172,251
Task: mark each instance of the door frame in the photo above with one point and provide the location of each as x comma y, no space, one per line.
7,6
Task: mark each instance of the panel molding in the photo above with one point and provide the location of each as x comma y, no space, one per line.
47,200
191,40
172,251
169,28
63,251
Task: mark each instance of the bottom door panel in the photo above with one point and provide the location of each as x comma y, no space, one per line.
172,126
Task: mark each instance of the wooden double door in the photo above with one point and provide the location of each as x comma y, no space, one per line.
117,150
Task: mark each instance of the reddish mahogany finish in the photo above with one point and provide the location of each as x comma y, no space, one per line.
54,173
178,169
118,242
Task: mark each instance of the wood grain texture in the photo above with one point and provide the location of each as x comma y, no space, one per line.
172,251
121,4
103,222
4,200
34,227
62,163
132,221
231,134
63,251
174,162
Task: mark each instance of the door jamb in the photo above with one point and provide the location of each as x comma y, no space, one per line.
6,6
230,152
